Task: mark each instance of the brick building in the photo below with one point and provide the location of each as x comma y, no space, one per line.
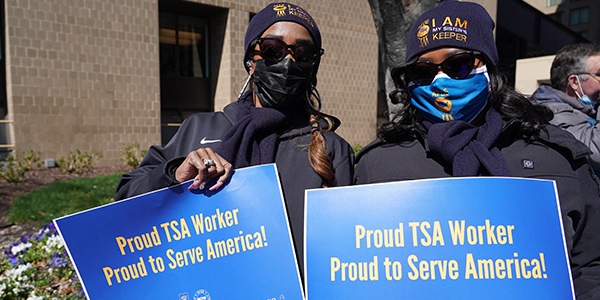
94,75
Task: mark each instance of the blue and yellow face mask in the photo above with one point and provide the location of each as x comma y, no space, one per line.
446,99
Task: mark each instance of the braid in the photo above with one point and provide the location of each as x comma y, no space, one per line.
317,153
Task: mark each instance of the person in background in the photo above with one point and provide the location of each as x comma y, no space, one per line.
459,118
277,120
574,93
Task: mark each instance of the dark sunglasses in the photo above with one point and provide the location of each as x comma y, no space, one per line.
456,66
274,50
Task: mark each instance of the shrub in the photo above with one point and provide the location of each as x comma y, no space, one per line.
357,148
31,160
12,169
132,154
78,162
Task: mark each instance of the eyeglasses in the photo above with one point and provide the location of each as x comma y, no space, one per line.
274,50
456,66
595,75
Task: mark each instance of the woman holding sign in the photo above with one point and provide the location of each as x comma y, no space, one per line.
459,118
277,120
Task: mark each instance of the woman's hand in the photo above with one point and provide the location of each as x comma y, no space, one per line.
203,165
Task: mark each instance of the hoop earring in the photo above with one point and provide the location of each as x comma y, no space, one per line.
314,92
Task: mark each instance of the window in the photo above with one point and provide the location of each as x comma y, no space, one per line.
3,102
183,45
184,69
551,3
6,146
579,16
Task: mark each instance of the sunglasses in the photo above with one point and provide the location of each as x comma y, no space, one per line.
456,66
274,50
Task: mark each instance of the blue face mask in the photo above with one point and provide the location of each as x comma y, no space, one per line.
583,98
447,99
586,100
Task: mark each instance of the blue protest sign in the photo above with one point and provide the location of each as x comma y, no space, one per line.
453,238
180,244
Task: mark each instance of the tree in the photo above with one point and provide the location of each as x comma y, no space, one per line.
393,19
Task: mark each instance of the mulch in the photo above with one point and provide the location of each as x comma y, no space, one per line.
33,179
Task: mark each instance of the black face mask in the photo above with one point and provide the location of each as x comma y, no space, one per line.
283,84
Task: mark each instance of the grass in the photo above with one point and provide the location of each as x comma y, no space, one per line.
62,198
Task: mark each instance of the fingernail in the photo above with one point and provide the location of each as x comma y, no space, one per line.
215,187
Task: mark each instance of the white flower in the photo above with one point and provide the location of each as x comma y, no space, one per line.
20,247
43,231
34,297
16,273
53,243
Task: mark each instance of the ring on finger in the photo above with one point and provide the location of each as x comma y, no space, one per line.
209,163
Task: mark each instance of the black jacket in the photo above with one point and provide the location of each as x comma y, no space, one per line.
556,156
206,129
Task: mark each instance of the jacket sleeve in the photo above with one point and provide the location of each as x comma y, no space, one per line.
582,230
582,127
158,167
155,172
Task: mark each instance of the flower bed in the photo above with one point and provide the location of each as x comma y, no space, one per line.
38,267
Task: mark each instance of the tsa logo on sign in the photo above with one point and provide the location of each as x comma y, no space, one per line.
201,295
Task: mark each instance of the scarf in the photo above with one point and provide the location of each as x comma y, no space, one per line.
468,148
253,138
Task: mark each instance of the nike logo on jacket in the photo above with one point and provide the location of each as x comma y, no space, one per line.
205,141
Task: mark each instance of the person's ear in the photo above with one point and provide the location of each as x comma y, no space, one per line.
249,66
573,82
479,62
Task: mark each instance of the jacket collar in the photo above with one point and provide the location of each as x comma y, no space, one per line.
547,94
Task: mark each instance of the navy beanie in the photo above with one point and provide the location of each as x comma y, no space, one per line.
452,23
278,12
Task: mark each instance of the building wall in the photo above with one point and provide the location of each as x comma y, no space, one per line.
84,75
592,28
347,78
531,73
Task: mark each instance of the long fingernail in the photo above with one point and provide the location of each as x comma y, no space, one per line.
215,187
194,185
